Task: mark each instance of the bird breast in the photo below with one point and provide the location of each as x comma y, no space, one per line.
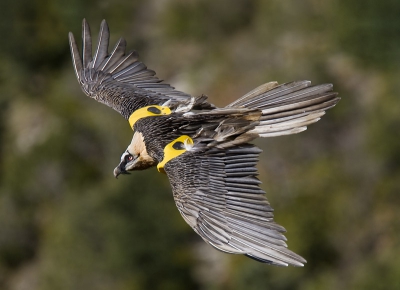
138,147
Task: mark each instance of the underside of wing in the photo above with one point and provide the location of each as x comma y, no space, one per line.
218,194
288,108
118,79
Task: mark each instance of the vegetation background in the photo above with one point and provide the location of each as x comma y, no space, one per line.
67,223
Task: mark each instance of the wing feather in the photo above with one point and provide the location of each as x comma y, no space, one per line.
119,79
230,213
102,46
86,44
76,58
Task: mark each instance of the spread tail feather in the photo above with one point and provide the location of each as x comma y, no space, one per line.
288,108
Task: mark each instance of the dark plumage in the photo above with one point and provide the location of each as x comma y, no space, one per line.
118,79
218,194
203,150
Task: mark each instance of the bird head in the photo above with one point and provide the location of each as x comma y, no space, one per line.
135,157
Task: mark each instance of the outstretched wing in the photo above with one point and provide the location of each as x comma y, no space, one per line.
218,194
118,79
288,108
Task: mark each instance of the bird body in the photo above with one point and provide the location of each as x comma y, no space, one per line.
204,150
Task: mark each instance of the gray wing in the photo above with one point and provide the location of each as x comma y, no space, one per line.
118,79
288,108
218,194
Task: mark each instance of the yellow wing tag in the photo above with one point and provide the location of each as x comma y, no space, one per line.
148,111
174,149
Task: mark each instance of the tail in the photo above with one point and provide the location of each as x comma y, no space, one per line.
288,108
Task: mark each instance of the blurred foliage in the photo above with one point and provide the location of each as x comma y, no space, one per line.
66,223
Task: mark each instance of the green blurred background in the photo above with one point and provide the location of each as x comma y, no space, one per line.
67,223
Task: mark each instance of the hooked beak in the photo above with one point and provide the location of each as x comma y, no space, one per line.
119,170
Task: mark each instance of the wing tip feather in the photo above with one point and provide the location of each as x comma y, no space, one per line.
76,59
87,43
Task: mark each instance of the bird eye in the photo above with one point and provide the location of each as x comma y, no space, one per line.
129,158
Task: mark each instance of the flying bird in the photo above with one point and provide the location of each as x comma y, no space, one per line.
204,150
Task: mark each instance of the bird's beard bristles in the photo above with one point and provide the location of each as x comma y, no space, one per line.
138,148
